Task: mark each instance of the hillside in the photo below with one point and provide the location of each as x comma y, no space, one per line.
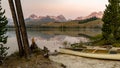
91,24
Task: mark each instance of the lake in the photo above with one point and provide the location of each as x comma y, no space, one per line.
52,39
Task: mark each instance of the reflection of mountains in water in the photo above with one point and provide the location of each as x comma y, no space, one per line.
76,33
47,34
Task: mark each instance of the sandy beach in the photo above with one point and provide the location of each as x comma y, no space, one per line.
80,62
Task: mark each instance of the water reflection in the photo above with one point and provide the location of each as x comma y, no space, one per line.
53,39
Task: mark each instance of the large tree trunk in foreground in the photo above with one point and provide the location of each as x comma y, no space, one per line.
17,29
22,27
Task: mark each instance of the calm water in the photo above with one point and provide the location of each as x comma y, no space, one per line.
53,39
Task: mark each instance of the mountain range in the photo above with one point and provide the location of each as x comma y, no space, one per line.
38,20
59,18
93,14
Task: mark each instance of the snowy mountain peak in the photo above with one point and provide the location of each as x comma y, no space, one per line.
59,18
93,14
33,16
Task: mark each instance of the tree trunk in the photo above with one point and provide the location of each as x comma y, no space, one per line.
22,28
17,29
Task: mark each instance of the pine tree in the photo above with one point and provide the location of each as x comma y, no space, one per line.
116,31
3,37
111,19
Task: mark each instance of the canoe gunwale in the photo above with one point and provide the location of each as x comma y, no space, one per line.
91,55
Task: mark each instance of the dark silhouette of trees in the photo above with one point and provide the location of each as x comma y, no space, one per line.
111,19
3,37
88,20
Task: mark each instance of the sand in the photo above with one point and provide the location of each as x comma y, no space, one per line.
80,62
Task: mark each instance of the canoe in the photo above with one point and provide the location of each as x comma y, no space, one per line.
91,53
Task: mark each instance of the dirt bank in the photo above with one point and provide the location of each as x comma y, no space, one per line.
36,61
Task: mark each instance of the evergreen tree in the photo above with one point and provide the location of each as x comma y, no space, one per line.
111,19
116,31
3,37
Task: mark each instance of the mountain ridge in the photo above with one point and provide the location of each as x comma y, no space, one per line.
33,19
93,14
59,18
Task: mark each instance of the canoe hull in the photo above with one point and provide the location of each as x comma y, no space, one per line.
91,55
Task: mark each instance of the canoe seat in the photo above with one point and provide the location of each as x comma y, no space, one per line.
89,50
94,51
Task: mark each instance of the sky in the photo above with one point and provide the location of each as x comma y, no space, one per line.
69,8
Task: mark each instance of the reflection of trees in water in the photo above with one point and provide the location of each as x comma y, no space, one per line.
53,32
73,32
